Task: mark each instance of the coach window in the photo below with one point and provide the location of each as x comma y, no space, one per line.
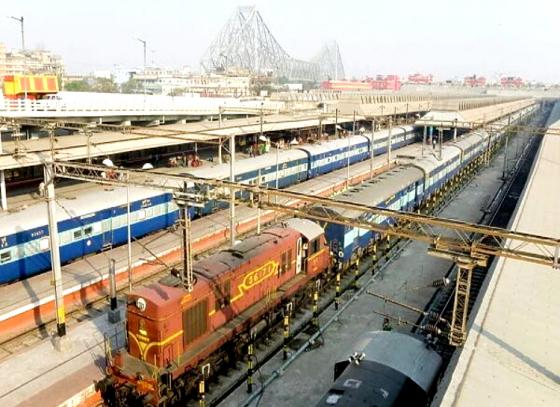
44,244
88,231
77,234
5,257
65,238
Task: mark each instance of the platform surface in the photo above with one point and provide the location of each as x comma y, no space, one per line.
511,356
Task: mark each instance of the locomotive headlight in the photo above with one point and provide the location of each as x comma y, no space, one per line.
141,304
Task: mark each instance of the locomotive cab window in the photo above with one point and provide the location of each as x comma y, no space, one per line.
313,247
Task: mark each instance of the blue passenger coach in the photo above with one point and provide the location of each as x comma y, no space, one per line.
97,220
94,222
396,189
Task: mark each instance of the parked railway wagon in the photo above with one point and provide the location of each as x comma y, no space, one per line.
172,332
385,369
94,221
404,188
301,163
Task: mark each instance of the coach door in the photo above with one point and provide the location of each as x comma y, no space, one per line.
299,256
107,232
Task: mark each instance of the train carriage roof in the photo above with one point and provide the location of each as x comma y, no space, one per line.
395,131
379,189
326,146
465,142
431,160
34,216
404,353
222,171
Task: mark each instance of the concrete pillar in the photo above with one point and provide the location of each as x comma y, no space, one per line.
389,139
424,139
336,123
455,130
3,196
232,190
431,136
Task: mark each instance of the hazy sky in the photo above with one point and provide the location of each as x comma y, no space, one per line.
449,38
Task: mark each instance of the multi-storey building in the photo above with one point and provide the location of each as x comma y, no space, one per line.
29,62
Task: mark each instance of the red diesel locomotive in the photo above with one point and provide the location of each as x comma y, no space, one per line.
172,333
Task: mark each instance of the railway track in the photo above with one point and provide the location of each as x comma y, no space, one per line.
303,335
498,213
299,326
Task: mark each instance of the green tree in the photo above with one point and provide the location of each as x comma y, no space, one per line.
105,85
78,86
132,86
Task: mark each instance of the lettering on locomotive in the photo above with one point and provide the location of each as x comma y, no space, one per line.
256,276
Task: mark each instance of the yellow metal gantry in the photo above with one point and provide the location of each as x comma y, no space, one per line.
461,240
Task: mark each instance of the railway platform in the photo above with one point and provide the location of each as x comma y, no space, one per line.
41,376
511,354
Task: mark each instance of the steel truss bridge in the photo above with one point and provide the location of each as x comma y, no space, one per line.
246,42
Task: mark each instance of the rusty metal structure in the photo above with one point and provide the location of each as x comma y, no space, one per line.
487,241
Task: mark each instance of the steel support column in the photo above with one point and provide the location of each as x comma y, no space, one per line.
372,149
458,333
55,251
